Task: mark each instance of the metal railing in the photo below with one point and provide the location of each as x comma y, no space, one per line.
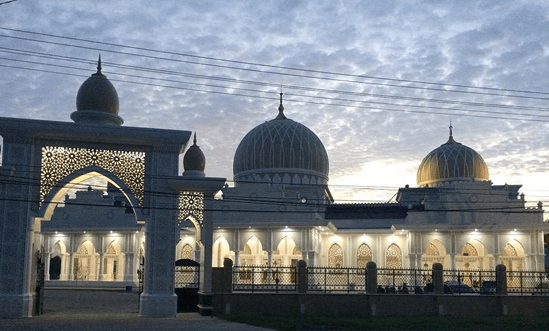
392,281
527,283
403,281
469,281
264,278
326,279
187,276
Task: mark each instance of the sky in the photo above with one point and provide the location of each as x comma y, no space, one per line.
379,82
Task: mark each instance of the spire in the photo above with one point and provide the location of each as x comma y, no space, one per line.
194,141
281,115
451,137
99,67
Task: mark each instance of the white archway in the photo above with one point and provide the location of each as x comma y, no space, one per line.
221,250
286,253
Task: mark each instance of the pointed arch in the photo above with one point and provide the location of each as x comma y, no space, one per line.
435,252
286,252
363,255
513,257
472,256
393,257
335,256
57,193
113,262
187,252
85,262
58,261
196,224
221,250
253,253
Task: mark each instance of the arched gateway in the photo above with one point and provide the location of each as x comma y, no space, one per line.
43,160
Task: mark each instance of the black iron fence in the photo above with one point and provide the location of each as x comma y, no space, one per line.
387,280
264,278
187,276
403,281
527,282
324,279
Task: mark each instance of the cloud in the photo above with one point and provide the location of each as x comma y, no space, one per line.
500,45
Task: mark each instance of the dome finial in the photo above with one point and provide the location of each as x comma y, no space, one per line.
99,65
281,115
194,141
451,137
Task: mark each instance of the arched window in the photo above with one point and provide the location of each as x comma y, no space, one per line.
363,255
113,262
432,250
509,250
469,250
187,252
335,256
84,262
394,257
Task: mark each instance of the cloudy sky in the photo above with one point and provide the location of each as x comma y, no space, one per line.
377,81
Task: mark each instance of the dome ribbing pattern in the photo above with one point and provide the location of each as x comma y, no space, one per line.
451,161
281,147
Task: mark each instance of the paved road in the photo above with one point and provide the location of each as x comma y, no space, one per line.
109,310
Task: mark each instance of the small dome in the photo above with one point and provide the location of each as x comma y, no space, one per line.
451,161
281,150
194,161
97,101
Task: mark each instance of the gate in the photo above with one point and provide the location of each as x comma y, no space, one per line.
187,279
39,303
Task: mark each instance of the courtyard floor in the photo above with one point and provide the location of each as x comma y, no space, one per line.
109,310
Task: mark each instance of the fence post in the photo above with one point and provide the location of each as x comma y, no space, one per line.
371,277
501,280
228,275
301,276
438,284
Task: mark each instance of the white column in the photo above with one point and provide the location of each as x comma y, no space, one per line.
47,266
101,259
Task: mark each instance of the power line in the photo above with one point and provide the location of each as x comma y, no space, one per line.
275,66
309,102
258,83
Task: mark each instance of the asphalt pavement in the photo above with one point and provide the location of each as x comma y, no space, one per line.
110,310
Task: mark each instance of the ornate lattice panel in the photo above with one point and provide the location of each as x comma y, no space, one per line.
335,256
187,252
469,250
509,250
191,204
394,257
432,250
364,255
59,162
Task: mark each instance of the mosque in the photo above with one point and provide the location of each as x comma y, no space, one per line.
91,219
280,210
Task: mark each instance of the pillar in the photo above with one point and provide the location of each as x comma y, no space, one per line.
17,226
301,276
205,294
371,277
438,283
47,266
501,280
71,266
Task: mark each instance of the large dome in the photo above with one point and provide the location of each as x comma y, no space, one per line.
97,101
451,161
281,151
